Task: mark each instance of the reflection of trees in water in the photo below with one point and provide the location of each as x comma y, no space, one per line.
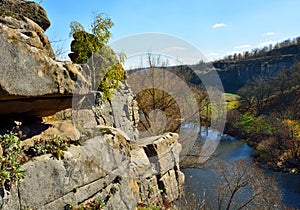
236,185
243,185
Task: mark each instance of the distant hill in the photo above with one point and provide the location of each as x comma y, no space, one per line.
237,70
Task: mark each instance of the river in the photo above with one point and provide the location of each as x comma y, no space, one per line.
200,181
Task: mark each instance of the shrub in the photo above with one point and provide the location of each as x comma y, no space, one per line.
91,48
10,161
260,125
54,145
111,81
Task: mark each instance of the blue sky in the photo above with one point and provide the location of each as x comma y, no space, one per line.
216,27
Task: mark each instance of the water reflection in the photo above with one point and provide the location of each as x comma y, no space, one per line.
203,180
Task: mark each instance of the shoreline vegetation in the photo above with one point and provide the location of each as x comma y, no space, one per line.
262,101
267,118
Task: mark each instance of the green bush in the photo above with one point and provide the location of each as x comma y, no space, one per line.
10,161
54,145
111,81
83,45
260,125
91,48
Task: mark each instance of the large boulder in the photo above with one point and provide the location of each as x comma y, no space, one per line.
22,8
32,82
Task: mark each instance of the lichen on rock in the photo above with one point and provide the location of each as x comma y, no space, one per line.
22,8
113,165
32,82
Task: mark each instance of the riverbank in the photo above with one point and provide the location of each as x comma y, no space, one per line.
276,142
277,162
201,179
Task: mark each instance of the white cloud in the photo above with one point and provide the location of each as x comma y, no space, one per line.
219,25
242,46
269,34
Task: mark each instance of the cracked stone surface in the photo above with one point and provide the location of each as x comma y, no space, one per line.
100,169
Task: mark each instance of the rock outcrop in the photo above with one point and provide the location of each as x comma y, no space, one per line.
112,164
121,112
122,174
21,9
236,74
32,83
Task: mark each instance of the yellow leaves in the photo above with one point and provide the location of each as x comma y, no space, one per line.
48,119
294,125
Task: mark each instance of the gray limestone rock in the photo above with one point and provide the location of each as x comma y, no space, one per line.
101,169
32,83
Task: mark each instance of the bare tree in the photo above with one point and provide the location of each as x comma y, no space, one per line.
162,97
258,190
257,92
166,102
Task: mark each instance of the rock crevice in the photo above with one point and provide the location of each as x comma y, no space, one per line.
113,165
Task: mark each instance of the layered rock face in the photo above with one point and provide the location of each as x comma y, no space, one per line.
235,75
112,165
32,83
106,169
121,113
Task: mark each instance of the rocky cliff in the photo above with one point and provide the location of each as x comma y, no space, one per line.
30,77
122,175
112,164
235,74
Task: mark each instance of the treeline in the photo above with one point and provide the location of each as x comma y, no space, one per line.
257,52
